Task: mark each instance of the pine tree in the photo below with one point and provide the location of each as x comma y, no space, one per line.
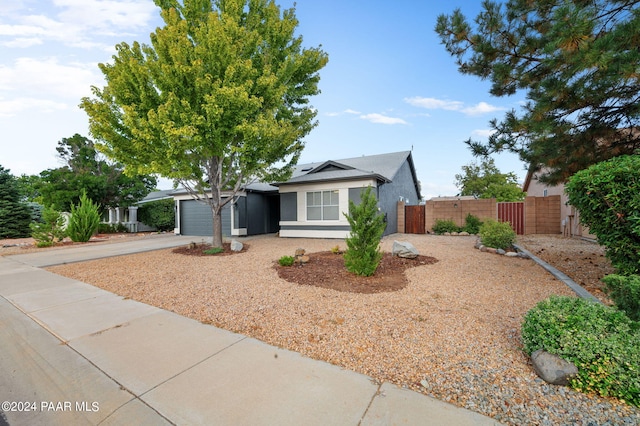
84,220
14,214
363,244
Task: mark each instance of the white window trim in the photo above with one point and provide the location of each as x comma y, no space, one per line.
322,205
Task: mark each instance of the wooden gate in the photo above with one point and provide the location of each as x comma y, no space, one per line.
514,214
414,219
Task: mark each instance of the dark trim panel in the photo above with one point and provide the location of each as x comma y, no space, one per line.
315,228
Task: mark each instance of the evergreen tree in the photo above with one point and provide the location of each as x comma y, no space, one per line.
84,221
577,62
15,216
363,244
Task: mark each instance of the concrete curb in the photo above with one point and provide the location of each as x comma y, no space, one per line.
581,292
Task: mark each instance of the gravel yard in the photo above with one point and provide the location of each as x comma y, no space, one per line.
453,332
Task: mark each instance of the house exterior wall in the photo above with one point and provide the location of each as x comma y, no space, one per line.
389,194
263,212
301,227
232,218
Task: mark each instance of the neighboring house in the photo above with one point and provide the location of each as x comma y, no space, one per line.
128,216
255,210
313,201
570,217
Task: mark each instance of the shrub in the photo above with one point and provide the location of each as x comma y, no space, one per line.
367,226
601,341
336,250
607,196
159,214
441,226
213,250
625,292
472,224
286,260
49,231
497,234
84,220
111,228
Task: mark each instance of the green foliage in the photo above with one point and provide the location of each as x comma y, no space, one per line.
496,234
472,224
15,216
213,250
445,225
160,214
607,196
601,341
286,260
221,94
625,292
485,180
336,249
50,230
574,62
111,228
84,220
367,226
86,170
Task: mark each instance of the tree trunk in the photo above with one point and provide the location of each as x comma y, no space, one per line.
217,228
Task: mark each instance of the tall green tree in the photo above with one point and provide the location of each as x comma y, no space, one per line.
577,61
484,180
219,98
87,170
15,216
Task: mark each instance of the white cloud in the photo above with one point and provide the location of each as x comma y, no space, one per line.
382,119
45,78
483,133
351,111
15,106
433,103
22,42
481,108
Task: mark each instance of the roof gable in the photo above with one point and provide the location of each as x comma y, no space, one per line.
329,166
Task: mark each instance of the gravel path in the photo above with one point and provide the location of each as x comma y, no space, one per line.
453,332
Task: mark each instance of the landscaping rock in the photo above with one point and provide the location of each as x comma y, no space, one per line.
512,254
553,369
404,249
464,234
300,252
490,250
500,251
302,259
236,245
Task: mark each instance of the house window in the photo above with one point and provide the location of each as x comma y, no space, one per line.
323,205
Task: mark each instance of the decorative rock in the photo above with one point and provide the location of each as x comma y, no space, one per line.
464,234
523,255
455,234
236,245
553,369
483,248
404,249
490,250
447,234
303,259
300,252
478,244
512,254
500,251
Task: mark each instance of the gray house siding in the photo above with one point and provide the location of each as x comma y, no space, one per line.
389,194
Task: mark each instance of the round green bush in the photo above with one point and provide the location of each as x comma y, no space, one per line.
497,234
286,260
441,226
600,340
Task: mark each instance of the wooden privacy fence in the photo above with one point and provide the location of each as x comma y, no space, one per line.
536,215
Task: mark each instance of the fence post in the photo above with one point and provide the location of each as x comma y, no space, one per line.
401,220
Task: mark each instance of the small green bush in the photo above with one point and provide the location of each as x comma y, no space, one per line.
441,226
286,260
601,341
213,250
625,292
472,224
363,255
497,234
84,221
49,231
111,228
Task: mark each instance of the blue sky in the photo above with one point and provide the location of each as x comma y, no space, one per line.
389,85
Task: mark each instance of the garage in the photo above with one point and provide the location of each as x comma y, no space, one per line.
196,219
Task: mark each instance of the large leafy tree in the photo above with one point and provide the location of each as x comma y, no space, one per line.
578,63
87,170
219,98
484,180
15,216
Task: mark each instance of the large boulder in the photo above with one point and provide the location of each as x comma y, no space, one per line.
553,369
404,249
236,245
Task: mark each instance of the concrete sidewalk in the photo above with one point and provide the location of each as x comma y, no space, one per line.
76,354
